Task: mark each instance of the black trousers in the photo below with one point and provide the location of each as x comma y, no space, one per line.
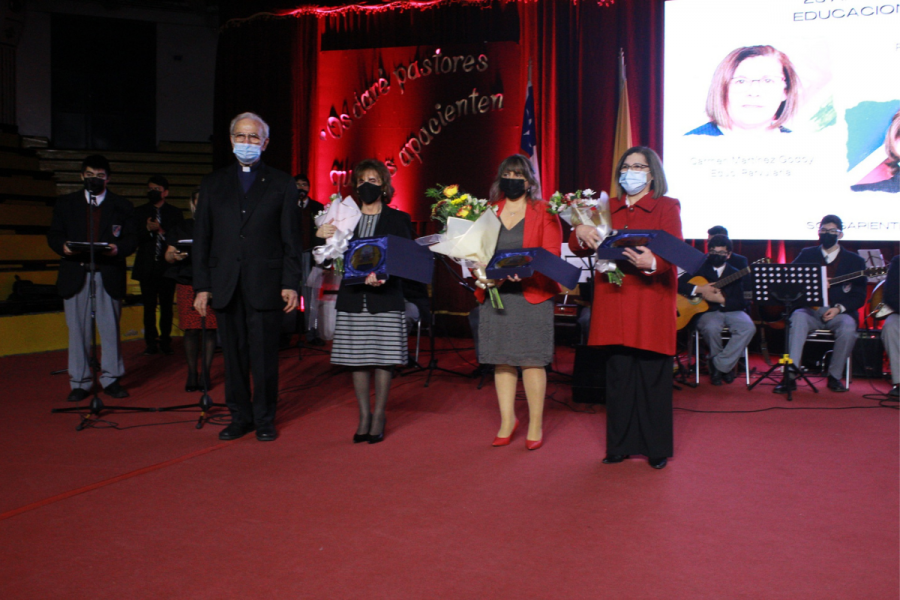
156,289
638,402
250,345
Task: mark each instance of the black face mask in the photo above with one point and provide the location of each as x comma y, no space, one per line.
302,194
154,196
513,188
828,239
716,260
369,193
94,185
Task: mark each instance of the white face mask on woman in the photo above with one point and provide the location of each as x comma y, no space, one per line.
633,182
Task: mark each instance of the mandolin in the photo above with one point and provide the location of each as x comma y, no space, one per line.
688,307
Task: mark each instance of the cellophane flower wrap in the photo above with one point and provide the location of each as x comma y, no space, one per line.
343,214
581,208
469,234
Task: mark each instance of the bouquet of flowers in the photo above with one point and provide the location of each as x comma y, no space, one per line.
581,208
343,214
470,231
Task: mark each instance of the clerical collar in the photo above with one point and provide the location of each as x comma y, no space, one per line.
250,169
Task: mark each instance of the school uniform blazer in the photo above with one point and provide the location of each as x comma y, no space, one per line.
70,214
258,249
850,294
388,296
542,230
144,260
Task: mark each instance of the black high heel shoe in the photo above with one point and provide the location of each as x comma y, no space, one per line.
360,437
374,439
191,385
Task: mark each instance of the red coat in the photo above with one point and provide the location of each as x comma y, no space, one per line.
641,313
541,230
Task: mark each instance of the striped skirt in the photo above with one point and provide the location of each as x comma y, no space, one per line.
363,339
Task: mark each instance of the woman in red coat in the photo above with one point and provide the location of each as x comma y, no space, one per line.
636,322
521,333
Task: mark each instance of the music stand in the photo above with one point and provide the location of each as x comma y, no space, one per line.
792,286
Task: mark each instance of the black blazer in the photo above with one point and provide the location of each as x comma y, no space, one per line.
733,292
851,294
181,271
386,297
146,251
738,261
70,214
258,250
307,224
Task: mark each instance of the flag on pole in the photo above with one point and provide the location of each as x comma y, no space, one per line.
528,143
623,140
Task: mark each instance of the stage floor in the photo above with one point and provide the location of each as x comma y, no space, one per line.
763,499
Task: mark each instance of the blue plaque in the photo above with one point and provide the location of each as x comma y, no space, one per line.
387,256
525,261
661,243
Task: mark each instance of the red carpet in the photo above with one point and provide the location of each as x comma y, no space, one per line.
779,504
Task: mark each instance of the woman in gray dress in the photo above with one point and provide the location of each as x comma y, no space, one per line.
520,334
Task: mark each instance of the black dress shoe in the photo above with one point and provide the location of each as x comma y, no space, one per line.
235,430
614,458
266,433
150,351
835,384
786,385
658,463
895,392
358,438
77,395
191,385
715,375
115,390
728,377
166,349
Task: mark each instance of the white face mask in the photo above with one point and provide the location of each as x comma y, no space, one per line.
633,181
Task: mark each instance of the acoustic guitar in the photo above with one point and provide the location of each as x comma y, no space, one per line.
878,309
688,307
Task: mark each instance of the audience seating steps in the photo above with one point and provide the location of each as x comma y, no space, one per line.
32,175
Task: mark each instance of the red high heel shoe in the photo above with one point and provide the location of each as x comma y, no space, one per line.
534,444
504,441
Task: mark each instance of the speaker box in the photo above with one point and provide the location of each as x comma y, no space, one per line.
589,375
868,355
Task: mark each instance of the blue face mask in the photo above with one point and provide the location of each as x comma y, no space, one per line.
247,153
633,182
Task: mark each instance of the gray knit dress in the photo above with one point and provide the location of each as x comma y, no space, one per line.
520,335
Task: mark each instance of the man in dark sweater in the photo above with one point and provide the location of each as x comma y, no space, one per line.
726,309
845,300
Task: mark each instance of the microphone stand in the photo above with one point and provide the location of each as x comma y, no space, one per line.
96,406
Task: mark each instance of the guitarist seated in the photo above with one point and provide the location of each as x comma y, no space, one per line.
890,331
726,309
846,299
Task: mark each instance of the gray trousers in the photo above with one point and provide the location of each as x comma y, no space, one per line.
805,320
890,336
78,319
725,357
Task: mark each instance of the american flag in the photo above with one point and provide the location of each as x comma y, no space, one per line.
528,144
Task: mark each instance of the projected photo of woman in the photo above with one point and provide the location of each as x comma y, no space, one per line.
755,89
890,168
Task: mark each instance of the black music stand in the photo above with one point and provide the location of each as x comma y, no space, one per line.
96,406
792,286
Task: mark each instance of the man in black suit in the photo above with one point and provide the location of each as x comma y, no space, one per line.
246,256
726,309
845,301
111,222
307,209
152,220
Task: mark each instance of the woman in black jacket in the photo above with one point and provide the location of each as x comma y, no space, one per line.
370,333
